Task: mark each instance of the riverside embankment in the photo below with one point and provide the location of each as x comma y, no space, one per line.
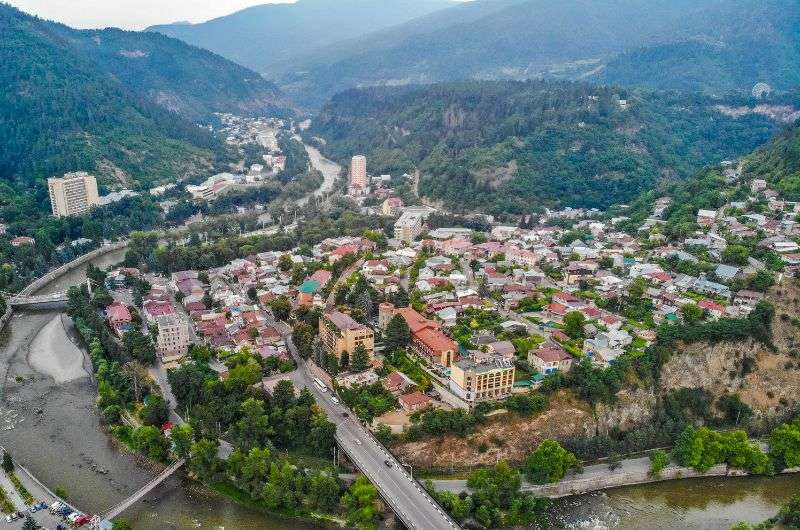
53,429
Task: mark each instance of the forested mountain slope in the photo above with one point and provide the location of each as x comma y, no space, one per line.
59,112
729,47
710,45
514,147
269,38
181,78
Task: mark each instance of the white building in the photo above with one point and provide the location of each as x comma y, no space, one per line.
72,194
408,227
173,337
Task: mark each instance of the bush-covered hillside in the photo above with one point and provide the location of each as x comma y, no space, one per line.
513,147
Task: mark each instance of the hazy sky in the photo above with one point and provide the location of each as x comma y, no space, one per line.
132,14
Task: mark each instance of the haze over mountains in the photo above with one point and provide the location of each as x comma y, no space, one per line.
713,45
270,38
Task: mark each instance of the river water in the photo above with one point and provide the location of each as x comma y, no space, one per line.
63,444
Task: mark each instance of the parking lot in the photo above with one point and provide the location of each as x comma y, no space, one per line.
43,517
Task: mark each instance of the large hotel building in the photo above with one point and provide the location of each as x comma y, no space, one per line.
72,194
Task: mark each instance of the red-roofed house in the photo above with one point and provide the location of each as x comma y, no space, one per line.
549,358
153,309
341,252
397,383
414,401
714,309
119,317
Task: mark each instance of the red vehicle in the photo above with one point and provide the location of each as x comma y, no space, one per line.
82,520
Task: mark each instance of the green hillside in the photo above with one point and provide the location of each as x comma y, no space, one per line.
722,49
779,163
59,112
514,147
181,78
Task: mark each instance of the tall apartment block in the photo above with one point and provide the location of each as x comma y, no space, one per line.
358,172
72,194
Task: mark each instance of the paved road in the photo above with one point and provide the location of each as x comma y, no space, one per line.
412,504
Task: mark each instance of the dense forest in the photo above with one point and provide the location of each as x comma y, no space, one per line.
189,81
59,113
514,147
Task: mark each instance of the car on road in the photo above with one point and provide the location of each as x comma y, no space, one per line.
335,399
11,517
345,415
357,441
388,463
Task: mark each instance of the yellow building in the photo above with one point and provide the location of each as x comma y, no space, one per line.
340,333
72,194
482,378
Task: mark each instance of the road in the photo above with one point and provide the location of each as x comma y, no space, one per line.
407,498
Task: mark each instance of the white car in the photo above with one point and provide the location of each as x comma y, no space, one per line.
357,441
335,399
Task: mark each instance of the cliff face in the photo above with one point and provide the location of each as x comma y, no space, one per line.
768,381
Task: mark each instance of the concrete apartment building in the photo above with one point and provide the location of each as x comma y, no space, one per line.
340,333
482,378
72,194
358,172
173,337
408,226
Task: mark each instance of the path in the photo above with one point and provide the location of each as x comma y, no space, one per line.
598,477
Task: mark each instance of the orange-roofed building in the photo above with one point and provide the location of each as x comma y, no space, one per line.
427,339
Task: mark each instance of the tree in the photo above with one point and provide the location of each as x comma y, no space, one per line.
360,361
573,324
322,433
281,307
253,428
121,524
8,463
397,334
204,463
549,463
283,394
285,262
400,298
182,437
692,313
252,293
364,303
324,490
789,514
360,502
155,411
735,254
139,346
658,461
30,524
149,441
384,434
784,444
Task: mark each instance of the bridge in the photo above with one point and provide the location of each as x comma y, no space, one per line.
21,300
412,504
115,511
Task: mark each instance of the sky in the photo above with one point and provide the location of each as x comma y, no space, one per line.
132,14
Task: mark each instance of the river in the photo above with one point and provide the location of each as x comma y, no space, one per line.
698,504
329,169
64,443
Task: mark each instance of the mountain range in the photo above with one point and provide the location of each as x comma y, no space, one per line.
120,104
710,45
269,38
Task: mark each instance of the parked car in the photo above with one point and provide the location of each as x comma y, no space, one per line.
335,399
388,463
357,441
9,518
